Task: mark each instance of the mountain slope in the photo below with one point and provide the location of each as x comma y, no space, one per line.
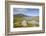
20,15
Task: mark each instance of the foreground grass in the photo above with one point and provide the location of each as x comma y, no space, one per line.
28,25
19,19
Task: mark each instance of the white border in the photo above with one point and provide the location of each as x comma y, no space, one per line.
29,28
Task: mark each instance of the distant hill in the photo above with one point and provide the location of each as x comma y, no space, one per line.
36,18
20,15
32,18
27,17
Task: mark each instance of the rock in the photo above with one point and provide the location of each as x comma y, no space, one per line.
24,23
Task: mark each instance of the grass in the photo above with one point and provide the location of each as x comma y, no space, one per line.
17,25
28,25
18,19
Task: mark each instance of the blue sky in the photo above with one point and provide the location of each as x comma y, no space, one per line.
26,11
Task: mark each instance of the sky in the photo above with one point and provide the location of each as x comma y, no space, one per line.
26,11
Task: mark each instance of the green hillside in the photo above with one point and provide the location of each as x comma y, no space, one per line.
20,17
